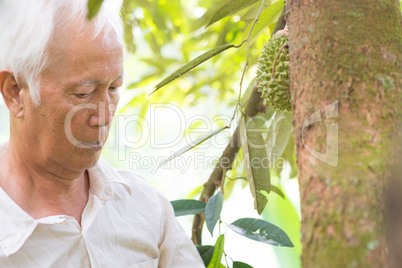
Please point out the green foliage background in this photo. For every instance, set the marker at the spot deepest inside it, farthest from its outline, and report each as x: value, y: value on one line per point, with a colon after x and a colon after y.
x: 161, y: 36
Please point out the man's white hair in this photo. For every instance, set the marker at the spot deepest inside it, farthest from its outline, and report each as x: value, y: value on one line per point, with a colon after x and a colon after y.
x: 27, y: 28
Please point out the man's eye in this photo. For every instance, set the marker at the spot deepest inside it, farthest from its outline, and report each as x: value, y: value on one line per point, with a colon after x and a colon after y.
x: 81, y: 96
x: 113, y: 88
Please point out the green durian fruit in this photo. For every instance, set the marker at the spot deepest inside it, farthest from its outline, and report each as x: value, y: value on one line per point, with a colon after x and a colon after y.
x: 275, y: 91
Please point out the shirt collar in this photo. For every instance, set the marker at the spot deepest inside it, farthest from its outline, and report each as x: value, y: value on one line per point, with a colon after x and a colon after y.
x: 105, y: 182
x: 17, y: 226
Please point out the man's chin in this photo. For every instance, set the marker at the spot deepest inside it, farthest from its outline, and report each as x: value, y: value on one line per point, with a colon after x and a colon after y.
x: 88, y: 158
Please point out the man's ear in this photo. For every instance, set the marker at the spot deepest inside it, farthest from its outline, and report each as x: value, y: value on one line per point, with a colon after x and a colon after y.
x: 10, y: 90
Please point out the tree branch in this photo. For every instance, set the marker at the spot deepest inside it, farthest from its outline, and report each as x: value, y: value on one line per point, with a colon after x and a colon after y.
x: 254, y: 105
x: 224, y: 163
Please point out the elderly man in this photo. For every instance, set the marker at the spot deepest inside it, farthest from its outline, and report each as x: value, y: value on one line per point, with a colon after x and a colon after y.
x: 59, y: 207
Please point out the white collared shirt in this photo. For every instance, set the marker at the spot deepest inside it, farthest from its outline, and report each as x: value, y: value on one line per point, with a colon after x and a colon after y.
x: 126, y: 223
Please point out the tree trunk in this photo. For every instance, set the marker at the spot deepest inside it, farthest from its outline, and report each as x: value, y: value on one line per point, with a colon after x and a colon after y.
x: 345, y: 55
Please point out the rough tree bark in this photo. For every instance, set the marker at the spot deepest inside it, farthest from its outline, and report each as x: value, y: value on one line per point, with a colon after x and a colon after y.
x: 350, y: 52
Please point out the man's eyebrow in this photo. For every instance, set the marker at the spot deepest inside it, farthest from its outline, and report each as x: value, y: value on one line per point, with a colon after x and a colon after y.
x: 90, y: 82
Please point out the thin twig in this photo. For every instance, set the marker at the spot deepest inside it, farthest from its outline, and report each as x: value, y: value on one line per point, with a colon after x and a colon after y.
x: 239, y: 45
x: 276, y: 57
x: 247, y: 59
x: 225, y: 224
x: 230, y: 258
x: 237, y: 178
x: 223, y: 180
x: 226, y: 258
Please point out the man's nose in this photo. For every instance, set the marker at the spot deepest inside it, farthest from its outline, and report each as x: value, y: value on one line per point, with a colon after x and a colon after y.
x: 104, y: 114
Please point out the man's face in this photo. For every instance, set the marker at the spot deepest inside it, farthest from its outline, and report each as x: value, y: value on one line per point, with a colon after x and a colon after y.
x: 79, y: 94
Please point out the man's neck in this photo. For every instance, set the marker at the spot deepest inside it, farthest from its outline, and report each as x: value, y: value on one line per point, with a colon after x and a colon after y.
x: 39, y: 192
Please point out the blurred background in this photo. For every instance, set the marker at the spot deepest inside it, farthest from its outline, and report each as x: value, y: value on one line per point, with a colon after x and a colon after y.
x: 160, y: 37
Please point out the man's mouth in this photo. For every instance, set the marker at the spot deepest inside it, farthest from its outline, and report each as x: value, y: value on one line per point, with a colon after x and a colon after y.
x: 96, y: 146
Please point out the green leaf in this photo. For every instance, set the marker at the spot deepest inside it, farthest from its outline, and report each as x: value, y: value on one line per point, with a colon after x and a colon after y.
x: 196, y: 191
x: 206, y: 253
x: 191, y: 65
x: 256, y: 161
x: 261, y: 231
x: 193, y: 144
x: 289, y: 155
x: 282, y: 213
x: 239, y: 264
x: 278, y: 135
x: 277, y: 191
x: 218, y: 252
x: 187, y: 207
x: 267, y: 17
x: 269, y: 112
x: 229, y: 8
x: 213, y: 211
x: 247, y: 93
x: 93, y: 8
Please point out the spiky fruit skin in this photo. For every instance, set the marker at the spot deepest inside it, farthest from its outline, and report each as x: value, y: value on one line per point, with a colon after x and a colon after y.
x: 276, y: 90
